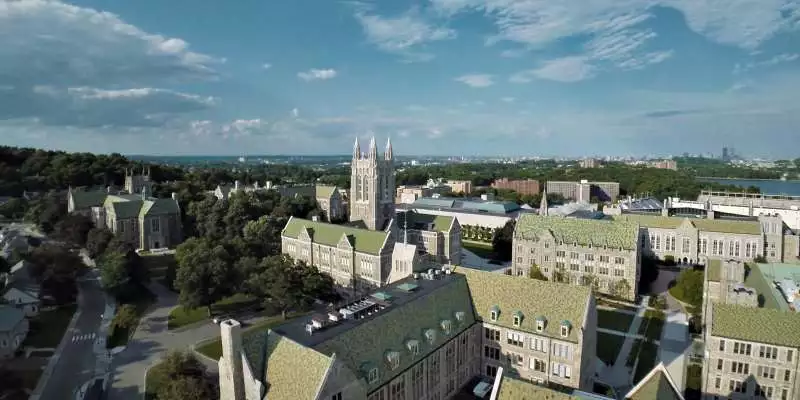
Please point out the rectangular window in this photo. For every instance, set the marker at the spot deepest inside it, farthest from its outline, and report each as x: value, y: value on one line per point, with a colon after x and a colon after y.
x: 538, y: 365
x: 516, y: 339
x: 154, y: 225
x: 789, y: 355
x: 658, y: 242
x: 561, y: 253
x: 720, y: 364
x: 740, y: 368
x: 721, y: 345
x: 539, y: 344
x: 768, y: 352
x: 573, y: 255
x: 589, y: 257
x: 337, y: 396
x: 687, y: 246
x: 491, y: 352
x: 737, y: 249
x: 573, y: 267
x: 516, y: 359
x: 491, y: 371
x: 787, y: 375
x: 492, y: 334
x: 717, y: 383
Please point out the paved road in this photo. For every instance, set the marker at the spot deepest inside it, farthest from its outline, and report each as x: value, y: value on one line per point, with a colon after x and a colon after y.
x: 77, y: 362
x: 150, y: 343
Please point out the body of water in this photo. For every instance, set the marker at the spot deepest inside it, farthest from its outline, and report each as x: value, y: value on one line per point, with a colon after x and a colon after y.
x: 767, y: 186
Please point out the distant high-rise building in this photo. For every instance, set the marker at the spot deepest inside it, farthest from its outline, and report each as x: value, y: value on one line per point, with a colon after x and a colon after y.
x: 726, y: 154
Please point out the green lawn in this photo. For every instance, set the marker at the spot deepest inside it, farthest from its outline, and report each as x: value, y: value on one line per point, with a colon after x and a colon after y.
x: 181, y: 316
x: 48, y: 327
x: 652, y: 324
x: 213, y: 349
x: 648, y: 355
x: 608, y: 346
x: 613, y: 320
x: 483, y: 250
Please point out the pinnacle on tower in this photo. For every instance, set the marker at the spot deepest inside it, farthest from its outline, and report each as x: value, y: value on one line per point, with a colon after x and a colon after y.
x: 543, y: 204
x: 356, y: 150
x: 388, y: 154
x: 373, y: 149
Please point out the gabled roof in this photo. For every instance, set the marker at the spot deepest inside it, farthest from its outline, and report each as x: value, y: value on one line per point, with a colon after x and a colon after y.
x: 19, y: 297
x: 10, y: 317
x: 555, y: 302
x: 165, y: 206
x: 364, y: 240
x: 702, y: 224
x: 611, y: 233
x: 436, y: 223
x: 713, y: 268
x: 85, y: 199
x: 324, y: 191
x: 762, y: 325
x: 291, y: 370
x: 657, y: 384
x: 124, y: 207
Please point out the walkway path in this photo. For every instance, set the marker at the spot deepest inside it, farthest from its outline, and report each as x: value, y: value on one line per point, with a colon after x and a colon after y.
x: 675, y: 344
x: 619, y: 376
x: 634, y: 335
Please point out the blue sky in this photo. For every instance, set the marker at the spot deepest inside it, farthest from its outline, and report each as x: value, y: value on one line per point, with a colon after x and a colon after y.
x: 461, y: 77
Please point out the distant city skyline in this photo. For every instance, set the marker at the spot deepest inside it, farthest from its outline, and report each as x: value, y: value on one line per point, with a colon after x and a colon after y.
x: 473, y: 77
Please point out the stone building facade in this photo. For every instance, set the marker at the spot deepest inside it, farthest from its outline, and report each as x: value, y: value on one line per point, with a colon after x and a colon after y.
x: 329, y: 198
x: 601, y: 253
x: 372, y: 186
x: 584, y: 191
x: 522, y: 186
x: 421, y: 339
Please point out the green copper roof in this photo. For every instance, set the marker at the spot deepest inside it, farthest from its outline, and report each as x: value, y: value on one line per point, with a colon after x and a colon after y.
x: 286, y: 360
x: 441, y: 223
x: 364, y: 240
x: 768, y: 294
x: 391, y: 330
x: 554, y: 301
x: 159, y: 207
x: 123, y: 207
x: 514, y: 389
x: 658, y: 387
x: 324, y: 191
x: 83, y: 199
x: 753, y: 324
x: 611, y: 233
x: 713, y: 269
x: 702, y: 224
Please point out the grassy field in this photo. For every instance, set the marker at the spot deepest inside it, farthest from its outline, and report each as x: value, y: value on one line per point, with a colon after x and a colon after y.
x: 483, y: 250
x: 652, y: 324
x: 608, y: 347
x: 648, y: 354
x: 614, y: 320
x: 213, y: 349
x: 48, y: 327
x: 180, y: 316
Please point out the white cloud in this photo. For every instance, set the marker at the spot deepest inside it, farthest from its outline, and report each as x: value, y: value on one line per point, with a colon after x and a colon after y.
x: 266, y: 66
x: 317, y: 74
x: 476, y: 80
x: 403, y: 34
x: 295, y: 112
x: 508, y: 99
x: 565, y: 69
x: 778, y: 59
x: 79, y: 46
x: 242, y: 127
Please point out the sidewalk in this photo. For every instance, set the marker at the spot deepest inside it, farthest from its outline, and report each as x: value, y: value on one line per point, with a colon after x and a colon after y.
x: 620, y: 375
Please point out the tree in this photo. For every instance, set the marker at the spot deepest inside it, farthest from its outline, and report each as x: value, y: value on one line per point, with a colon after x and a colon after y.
x: 113, y: 270
x: 204, y: 273
x: 560, y: 275
x: 14, y: 208
x: 286, y: 285
x: 97, y: 241
x: 620, y: 288
x: 187, y: 387
x: 181, y: 376
x: 536, y: 273
x: 502, y: 242
x: 56, y: 268
x: 689, y: 287
x: 760, y: 259
x: 73, y: 229
x: 126, y: 317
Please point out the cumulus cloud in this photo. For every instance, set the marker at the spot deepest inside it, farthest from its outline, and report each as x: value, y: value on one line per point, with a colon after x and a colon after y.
x: 317, y: 74
x: 86, y: 107
x: 58, y: 62
x: 296, y: 112
x: 775, y: 60
x: 403, y: 34
x: 476, y: 80
x: 566, y: 69
x: 266, y: 66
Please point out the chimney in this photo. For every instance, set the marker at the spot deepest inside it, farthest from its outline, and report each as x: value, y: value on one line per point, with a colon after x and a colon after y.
x: 108, y: 189
x: 315, y: 218
x: 236, y: 185
x: 231, y: 383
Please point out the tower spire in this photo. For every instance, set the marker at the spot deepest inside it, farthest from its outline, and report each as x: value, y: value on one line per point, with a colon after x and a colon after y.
x: 543, y: 204
x: 388, y: 154
x: 356, y: 149
x: 373, y: 149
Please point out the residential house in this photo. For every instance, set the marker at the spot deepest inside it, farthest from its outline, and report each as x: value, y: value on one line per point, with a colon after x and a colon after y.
x: 26, y: 302
x: 13, y: 329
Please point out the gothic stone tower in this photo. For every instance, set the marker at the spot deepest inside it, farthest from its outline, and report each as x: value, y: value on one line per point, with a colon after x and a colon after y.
x: 372, y: 186
x: 136, y: 184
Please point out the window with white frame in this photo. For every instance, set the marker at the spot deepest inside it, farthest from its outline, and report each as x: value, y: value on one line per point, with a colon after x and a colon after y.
x: 562, y: 350
x: 703, y: 246
x: 516, y: 359
x: 538, y: 365
x: 516, y: 339
x: 686, y: 248
x: 562, y: 370
x: 539, y: 344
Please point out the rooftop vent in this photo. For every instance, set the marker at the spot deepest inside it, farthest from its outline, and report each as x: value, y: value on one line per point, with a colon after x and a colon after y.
x: 416, y: 275
x: 407, y: 287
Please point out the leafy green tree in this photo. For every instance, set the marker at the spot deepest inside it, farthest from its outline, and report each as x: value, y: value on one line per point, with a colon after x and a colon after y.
x: 56, y: 268
x: 126, y: 317
x: 536, y: 273
x: 187, y: 387
x: 502, y: 242
x: 689, y: 287
x: 286, y: 286
x: 113, y: 270
x: 204, y: 273
x: 73, y: 229
x: 14, y: 208
x: 97, y: 241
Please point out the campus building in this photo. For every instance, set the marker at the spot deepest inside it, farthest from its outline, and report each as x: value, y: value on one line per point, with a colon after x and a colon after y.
x: 135, y: 217
x: 360, y: 255
x: 420, y: 338
x: 601, y: 253
x: 585, y: 190
x: 329, y: 198
x: 752, y: 346
x: 522, y: 186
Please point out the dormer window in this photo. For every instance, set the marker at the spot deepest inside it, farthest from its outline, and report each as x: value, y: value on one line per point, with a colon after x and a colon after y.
x: 372, y: 377
x: 413, y: 346
x: 430, y: 335
x: 565, y: 328
x: 541, y: 322
x: 517, y: 318
x: 370, y: 372
x: 447, y: 326
x: 494, y: 313
x: 461, y: 316
x: 393, y: 359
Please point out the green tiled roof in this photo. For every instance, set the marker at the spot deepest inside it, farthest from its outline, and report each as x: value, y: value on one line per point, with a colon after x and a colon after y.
x: 656, y: 387
x: 554, y: 301
x: 441, y: 223
x: 160, y: 207
x: 611, y: 233
x: 293, y: 371
x: 83, y: 199
x: 702, y: 224
x: 369, y: 341
x: 768, y: 296
x: 713, y: 269
x: 514, y: 389
x: 325, y: 191
x: 124, y: 208
x: 753, y: 324
x: 364, y: 240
